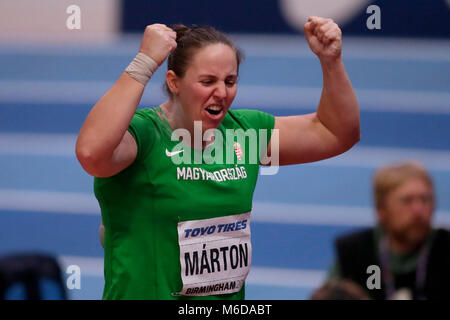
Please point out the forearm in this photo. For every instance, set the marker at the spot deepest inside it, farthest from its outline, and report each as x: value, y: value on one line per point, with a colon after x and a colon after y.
x: 338, y: 108
x: 108, y: 120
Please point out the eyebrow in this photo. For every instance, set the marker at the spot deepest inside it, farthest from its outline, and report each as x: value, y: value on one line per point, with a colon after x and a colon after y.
x: 213, y: 76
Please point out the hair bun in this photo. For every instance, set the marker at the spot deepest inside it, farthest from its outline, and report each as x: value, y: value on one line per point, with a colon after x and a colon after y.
x: 181, y: 30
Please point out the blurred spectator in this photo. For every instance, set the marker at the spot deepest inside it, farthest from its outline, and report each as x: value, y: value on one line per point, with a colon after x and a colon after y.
x: 343, y: 289
x: 31, y: 277
x: 413, y: 258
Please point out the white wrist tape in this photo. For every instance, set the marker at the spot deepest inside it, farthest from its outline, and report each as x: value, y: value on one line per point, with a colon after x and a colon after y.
x: 141, y: 68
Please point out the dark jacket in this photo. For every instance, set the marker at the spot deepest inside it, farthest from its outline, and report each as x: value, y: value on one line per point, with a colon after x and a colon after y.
x: 357, y: 251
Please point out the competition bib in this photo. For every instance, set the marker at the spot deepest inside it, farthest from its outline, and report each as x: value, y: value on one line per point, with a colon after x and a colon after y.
x: 215, y: 254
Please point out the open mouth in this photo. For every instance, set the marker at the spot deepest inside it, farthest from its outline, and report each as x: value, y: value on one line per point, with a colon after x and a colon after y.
x: 214, y: 110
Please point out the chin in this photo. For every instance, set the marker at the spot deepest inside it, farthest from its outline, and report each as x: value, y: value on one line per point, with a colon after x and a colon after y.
x: 212, y: 122
x: 417, y: 236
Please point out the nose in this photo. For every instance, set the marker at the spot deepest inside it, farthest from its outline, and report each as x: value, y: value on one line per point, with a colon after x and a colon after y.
x: 220, y: 91
x: 421, y: 208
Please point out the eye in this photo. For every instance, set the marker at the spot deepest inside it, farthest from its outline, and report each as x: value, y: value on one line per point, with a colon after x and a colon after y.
x: 207, y: 82
x: 230, y: 83
x: 406, y: 200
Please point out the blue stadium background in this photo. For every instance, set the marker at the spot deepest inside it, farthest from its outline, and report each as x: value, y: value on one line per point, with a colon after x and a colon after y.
x: 401, y: 75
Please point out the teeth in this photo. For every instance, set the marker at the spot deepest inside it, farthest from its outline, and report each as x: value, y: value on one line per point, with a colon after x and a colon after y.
x: 215, y: 108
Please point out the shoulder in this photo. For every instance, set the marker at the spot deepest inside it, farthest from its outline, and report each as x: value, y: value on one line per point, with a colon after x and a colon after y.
x: 355, y: 252
x: 144, y: 120
x: 443, y: 234
x: 148, y: 113
x: 442, y: 238
x: 355, y: 239
x: 247, y: 113
x: 249, y: 118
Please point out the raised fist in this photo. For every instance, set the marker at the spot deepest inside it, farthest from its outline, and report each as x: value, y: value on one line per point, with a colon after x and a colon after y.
x: 324, y: 37
x: 158, y: 42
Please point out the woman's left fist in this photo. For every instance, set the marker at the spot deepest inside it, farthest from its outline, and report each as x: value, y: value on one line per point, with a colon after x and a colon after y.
x: 324, y: 37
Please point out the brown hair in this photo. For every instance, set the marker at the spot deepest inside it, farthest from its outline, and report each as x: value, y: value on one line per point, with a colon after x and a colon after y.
x: 189, y: 40
x: 390, y: 177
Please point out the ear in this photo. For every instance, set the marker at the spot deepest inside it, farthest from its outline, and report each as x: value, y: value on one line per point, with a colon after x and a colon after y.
x: 172, y: 81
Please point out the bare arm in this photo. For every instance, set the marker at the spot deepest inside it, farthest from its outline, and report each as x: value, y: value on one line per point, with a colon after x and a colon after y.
x: 104, y: 146
x: 334, y: 127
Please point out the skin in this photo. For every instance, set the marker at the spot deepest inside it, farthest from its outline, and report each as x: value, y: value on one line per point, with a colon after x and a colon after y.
x: 104, y: 146
x: 210, y: 79
x: 334, y: 127
x: 406, y: 215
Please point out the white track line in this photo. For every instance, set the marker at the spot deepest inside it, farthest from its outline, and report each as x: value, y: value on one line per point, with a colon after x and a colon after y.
x: 269, y: 212
x: 257, y: 276
x: 253, y: 45
x: 249, y: 96
x: 63, y: 145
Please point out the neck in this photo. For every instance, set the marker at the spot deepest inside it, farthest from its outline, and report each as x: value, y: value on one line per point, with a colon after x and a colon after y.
x: 177, y: 120
x: 175, y: 115
x: 401, y: 246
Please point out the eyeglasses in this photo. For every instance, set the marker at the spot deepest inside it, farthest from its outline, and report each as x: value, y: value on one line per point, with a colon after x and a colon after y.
x: 426, y: 199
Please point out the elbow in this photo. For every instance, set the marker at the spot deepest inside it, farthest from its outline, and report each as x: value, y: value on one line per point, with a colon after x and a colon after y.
x: 350, y: 139
x: 87, y: 159
x: 355, y: 136
x: 93, y: 164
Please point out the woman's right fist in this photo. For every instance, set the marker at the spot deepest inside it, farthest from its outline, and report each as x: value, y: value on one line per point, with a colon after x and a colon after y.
x: 158, y: 42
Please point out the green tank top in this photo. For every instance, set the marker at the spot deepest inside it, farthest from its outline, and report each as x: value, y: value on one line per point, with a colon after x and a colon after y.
x: 181, y: 230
